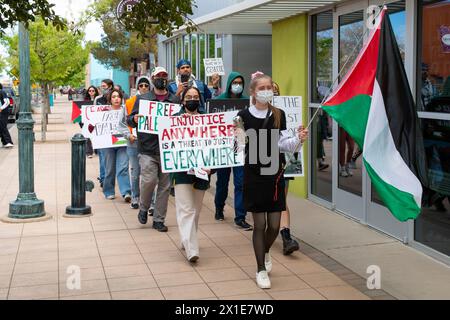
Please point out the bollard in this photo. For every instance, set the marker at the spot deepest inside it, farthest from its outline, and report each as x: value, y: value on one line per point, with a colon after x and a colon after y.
x: 79, y: 183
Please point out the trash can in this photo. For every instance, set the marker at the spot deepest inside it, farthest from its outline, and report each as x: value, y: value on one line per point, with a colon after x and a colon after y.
x: 50, y: 97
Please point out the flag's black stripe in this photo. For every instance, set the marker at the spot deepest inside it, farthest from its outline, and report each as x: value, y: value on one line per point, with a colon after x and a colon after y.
x: 398, y: 100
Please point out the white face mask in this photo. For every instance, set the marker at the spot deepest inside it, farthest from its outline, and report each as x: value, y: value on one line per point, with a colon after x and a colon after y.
x: 264, y: 96
x: 236, y: 88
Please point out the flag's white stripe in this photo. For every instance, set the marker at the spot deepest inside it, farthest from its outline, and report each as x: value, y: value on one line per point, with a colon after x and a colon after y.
x: 382, y: 155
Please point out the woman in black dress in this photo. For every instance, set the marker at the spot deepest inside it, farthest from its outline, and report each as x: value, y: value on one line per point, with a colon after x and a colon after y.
x: 264, y: 193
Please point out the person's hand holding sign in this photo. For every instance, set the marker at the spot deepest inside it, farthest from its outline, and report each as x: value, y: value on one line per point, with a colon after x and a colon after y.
x: 136, y: 117
x: 302, y: 133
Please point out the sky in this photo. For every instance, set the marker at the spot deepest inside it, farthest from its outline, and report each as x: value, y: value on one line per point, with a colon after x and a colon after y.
x: 71, y: 10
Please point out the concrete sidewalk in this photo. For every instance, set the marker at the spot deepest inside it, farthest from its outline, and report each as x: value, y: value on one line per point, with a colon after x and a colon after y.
x: 121, y: 259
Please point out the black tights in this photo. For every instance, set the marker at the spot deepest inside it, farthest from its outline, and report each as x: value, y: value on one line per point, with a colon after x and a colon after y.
x: 264, y: 236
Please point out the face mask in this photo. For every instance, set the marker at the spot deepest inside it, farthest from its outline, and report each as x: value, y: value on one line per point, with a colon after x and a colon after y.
x: 192, y: 105
x: 236, y: 88
x: 105, y: 91
x: 264, y: 96
x: 160, y: 83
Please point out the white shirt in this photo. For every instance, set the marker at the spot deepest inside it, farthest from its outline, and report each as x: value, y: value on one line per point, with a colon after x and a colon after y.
x: 287, y: 143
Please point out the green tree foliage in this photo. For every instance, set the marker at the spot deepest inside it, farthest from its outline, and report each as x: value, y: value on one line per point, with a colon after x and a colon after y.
x: 57, y: 57
x: 13, y: 11
x: 117, y: 47
x: 150, y: 17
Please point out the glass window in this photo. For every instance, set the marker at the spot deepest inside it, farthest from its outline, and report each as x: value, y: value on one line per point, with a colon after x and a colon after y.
x: 351, y: 29
x: 321, y: 80
x: 432, y: 228
x: 179, y: 48
x: 194, y: 54
x: 212, y: 46
x: 433, y: 70
x: 202, y: 55
x: 174, y: 61
x: 186, y: 47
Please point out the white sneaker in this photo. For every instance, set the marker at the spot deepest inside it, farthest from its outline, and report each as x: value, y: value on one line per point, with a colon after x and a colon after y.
x: 262, y: 280
x: 268, y: 262
x: 343, y: 172
x: 9, y: 145
x: 347, y: 169
x: 111, y: 197
x: 352, y: 165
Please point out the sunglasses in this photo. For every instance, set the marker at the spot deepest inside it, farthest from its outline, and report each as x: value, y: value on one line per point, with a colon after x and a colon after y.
x: 91, y: 90
x: 143, y: 85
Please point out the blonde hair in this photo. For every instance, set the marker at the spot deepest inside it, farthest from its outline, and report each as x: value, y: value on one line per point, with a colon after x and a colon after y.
x: 256, y: 77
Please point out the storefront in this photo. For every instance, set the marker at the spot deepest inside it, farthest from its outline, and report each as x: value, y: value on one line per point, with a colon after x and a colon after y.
x: 311, y: 43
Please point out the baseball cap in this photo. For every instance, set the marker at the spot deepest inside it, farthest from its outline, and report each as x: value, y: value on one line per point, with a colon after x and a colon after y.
x: 159, y: 70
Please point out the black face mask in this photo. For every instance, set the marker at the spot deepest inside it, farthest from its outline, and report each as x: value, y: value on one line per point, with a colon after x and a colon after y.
x: 192, y: 105
x: 160, y: 83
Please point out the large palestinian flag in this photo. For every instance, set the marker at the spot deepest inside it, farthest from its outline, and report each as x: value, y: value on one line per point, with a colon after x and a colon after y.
x: 374, y: 104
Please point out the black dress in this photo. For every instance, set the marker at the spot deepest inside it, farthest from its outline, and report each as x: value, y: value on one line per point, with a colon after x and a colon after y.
x: 263, y: 193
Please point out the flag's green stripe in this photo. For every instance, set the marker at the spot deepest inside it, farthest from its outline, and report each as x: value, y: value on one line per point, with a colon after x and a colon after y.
x: 401, y: 204
x: 352, y: 115
x: 77, y: 119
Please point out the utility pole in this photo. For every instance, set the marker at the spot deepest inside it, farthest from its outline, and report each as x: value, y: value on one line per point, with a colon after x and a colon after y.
x: 27, y: 205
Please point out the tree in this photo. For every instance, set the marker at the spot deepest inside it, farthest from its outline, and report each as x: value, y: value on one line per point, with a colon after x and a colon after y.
x: 13, y: 11
x: 57, y: 57
x: 117, y: 47
x: 159, y: 17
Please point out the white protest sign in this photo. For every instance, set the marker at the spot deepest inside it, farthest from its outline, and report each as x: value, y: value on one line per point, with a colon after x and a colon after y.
x: 151, y: 111
x: 198, y: 141
x: 100, y: 125
x: 214, y: 65
x: 292, y: 107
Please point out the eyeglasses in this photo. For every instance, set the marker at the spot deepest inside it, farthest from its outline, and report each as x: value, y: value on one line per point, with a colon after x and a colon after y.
x: 188, y: 98
x: 143, y: 85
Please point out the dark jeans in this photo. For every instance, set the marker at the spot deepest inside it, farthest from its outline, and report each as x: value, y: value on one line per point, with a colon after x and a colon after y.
x: 223, y: 178
x: 4, y: 133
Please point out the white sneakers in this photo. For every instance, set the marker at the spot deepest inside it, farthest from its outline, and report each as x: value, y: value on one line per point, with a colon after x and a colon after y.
x: 262, y: 280
x: 111, y: 197
x: 268, y: 262
x: 8, y: 145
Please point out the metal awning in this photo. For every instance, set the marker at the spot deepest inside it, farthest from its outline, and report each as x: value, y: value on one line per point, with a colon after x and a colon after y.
x: 253, y: 16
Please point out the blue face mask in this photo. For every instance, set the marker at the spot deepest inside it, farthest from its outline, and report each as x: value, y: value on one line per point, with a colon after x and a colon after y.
x: 236, y: 88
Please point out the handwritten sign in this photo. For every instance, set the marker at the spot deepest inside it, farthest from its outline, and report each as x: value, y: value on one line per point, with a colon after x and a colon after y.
x: 151, y: 112
x: 223, y: 105
x: 198, y: 141
x: 292, y: 107
x: 100, y: 125
x: 214, y: 65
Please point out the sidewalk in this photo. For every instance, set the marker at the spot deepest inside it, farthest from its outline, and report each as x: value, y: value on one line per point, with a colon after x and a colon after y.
x: 121, y: 259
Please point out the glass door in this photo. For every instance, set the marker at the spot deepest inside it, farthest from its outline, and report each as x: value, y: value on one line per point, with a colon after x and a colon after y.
x: 348, y: 171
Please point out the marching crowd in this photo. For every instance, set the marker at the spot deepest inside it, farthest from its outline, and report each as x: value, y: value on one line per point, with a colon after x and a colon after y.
x: 137, y: 168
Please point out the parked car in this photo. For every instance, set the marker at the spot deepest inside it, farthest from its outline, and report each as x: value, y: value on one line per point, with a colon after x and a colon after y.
x: 13, y: 104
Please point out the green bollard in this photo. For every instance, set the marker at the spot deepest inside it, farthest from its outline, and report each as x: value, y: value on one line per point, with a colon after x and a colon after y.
x: 79, y: 183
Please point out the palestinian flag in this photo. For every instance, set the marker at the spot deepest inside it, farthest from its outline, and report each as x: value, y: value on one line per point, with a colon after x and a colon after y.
x: 76, y: 110
x: 118, y: 140
x: 374, y: 104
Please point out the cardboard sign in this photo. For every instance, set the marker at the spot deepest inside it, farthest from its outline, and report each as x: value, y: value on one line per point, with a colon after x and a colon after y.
x: 292, y: 107
x: 223, y: 105
x: 151, y: 112
x: 198, y: 141
x: 214, y: 65
x: 100, y: 125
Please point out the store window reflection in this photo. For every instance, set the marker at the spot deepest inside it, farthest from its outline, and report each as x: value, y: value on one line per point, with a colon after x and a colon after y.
x: 321, y: 81
x: 432, y: 228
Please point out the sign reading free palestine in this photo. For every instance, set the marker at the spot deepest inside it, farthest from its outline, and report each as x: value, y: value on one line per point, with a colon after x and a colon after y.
x: 151, y: 111
x: 198, y: 141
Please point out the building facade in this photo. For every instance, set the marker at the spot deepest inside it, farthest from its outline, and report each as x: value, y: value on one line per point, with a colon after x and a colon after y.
x: 313, y: 44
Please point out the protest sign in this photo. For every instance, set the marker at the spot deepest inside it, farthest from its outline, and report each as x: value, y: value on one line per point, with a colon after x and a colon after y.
x: 292, y: 107
x: 151, y: 111
x: 198, y: 141
x: 100, y: 125
x: 214, y: 65
x: 223, y: 105
x: 76, y: 110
